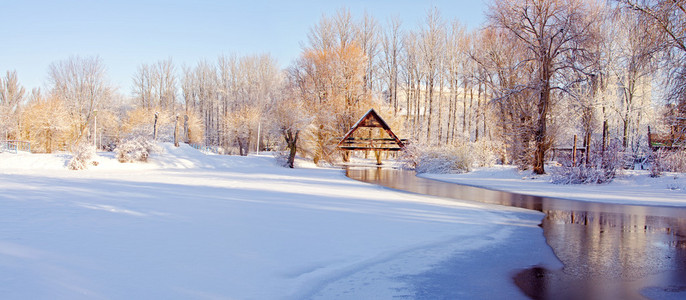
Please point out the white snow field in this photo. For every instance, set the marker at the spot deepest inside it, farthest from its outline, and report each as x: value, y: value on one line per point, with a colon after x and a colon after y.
x: 193, y: 226
x: 631, y: 187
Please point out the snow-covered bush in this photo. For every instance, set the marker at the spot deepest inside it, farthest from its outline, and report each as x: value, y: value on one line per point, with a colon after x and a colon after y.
x: 82, y: 157
x: 136, y: 149
x: 668, y: 161
x: 457, y: 158
x: 445, y: 160
x: 601, y: 168
x: 484, y: 153
x: 582, y: 174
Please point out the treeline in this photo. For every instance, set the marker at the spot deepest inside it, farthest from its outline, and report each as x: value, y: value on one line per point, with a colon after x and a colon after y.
x: 537, y: 73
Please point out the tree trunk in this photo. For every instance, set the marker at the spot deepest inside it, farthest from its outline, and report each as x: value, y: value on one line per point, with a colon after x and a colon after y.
x: 430, y: 103
x: 464, y: 108
x: 440, y: 110
x: 240, y: 147
x: 629, y: 98
x: 541, y: 128
x: 483, y: 115
x: 292, y: 142
x: 605, y: 128
x: 186, y: 130
x: 478, y: 112
x: 450, y: 113
x: 154, y: 128
x: 176, y: 131
x: 625, y: 131
x: 452, y: 134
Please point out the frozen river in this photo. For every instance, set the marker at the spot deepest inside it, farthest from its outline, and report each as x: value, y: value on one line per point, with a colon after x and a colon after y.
x: 609, y: 251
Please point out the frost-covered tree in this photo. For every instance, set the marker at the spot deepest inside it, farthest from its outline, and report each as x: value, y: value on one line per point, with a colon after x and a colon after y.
x: 155, y: 85
x: 367, y: 33
x: 456, y: 75
x: 431, y: 45
x: 668, y: 18
x: 11, y: 96
x: 557, y: 35
x: 231, y: 97
x: 391, y: 45
x: 47, y: 124
x: 634, y: 64
x: 289, y: 116
x: 201, y: 94
x: 330, y: 79
x: 80, y: 83
x: 499, y: 56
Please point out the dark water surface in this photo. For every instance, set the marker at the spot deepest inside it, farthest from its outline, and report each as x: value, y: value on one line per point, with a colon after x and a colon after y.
x: 609, y: 251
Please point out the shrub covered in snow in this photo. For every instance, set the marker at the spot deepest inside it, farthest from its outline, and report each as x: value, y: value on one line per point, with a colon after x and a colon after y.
x: 602, y: 167
x: 667, y: 161
x: 82, y: 157
x: 281, y: 158
x: 456, y: 158
x: 484, y: 153
x: 583, y: 173
x: 136, y: 149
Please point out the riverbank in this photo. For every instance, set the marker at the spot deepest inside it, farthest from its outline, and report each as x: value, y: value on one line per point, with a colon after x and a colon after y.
x: 631, y: 187
x: 190, y: 225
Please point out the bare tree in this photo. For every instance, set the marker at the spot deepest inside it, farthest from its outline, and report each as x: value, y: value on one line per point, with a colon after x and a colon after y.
x: 289, y: 116
x: 81, y: 84
x: 636, y: 45
x: 556, y: 33
x: 143, y: 86
x: 368, y: 39
x: 391, y: 43
x: 47, y: 124
x: 165, y: 74
x: 499, y: 58
x: 432, y: 43
x: 330, y: 75
x: 231, y: 97
x: 155, y: 85
x: 669, y: 17
x: 456, y: 57
x: 412, y: 78
x: 11, y: 96
x: 202, y: 85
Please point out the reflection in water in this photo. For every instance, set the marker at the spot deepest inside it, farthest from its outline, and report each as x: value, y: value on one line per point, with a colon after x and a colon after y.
x: 609, y: 251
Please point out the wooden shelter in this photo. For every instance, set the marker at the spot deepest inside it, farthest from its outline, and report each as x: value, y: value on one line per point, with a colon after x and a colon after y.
x: 377, y: 144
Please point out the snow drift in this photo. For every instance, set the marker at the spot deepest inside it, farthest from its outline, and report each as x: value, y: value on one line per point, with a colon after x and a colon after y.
x: 190, y: 225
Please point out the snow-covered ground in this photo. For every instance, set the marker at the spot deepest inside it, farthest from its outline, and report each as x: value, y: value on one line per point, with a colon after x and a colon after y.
x: 632, y: 187
x: 189, y: 225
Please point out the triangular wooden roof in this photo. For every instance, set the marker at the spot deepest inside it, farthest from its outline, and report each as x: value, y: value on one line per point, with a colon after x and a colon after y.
x: 373, y: 120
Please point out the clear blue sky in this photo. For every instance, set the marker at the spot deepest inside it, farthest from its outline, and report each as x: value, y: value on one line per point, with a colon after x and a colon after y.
x: 127, y: 33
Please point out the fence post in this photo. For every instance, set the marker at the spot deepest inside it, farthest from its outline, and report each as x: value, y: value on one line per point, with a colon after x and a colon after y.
x: 588, y: 147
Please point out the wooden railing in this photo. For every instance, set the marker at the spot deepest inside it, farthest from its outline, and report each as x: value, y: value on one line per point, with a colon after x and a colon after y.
x: 378, y: 144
